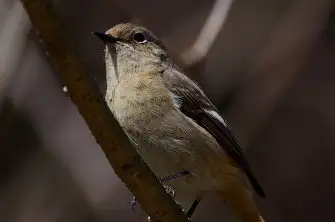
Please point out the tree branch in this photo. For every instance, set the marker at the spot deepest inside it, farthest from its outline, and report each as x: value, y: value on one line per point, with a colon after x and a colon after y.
x: 127, y: 164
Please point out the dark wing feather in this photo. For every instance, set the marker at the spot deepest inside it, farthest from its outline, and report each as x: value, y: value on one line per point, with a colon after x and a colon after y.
x: 196, y: 105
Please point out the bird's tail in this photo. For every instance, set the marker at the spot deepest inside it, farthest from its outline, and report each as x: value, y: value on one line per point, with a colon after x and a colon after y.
x: 241, y: 203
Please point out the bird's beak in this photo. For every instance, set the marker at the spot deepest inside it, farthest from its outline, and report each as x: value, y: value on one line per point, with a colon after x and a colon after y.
x: 104, y: 37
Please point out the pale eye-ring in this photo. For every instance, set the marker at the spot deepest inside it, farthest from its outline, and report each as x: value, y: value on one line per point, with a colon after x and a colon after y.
x: 139, y: 38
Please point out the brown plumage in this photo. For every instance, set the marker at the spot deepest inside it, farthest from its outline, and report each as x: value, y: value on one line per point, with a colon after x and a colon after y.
x: 172, y: 123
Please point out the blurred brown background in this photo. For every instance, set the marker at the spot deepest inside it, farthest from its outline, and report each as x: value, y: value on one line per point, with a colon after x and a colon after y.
x: 270, y: 71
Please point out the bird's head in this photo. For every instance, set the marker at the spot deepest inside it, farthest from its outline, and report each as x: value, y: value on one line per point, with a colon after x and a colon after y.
x: 131, y: 49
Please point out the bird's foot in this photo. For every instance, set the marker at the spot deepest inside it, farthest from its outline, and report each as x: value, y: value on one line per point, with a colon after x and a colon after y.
x: 133, y: 203
x: 170, y: 190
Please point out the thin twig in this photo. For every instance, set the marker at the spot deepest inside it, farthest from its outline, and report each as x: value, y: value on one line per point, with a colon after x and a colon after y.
x: 127, y: 164
x: 208, y: 34
x: 13, y: 37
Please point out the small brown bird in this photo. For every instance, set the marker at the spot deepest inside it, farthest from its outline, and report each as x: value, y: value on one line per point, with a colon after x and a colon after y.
x: 172, y: 123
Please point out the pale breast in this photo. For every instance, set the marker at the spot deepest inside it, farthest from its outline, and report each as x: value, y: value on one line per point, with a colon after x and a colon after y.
x: 140, y: 99
x: 145, y: 110
x: 168, y: 141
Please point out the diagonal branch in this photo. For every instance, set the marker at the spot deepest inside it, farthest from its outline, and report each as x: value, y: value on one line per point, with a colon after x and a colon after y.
x: 127, y: 164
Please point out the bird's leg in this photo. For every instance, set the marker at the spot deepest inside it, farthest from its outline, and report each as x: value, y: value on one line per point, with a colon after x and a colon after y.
x: 193, y: 207
x: 172, y: 192
x: 174, y: 176
x: 168, y: 189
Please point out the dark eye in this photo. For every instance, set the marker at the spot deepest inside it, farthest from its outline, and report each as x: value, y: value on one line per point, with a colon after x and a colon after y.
x: 139, y: 37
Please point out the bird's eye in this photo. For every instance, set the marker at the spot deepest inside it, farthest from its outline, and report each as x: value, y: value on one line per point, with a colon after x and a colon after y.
x: 139, y: 37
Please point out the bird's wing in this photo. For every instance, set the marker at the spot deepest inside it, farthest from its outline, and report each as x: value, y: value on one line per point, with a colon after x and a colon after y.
x: 195, y: 104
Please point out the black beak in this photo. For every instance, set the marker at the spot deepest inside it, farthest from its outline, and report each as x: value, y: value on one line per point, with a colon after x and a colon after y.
x: 104, y: 37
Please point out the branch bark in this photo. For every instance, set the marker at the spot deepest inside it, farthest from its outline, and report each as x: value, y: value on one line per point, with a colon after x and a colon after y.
x: 127, y: 164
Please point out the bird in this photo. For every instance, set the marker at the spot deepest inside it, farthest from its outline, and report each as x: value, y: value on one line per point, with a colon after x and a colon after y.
x: 173, y: 124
